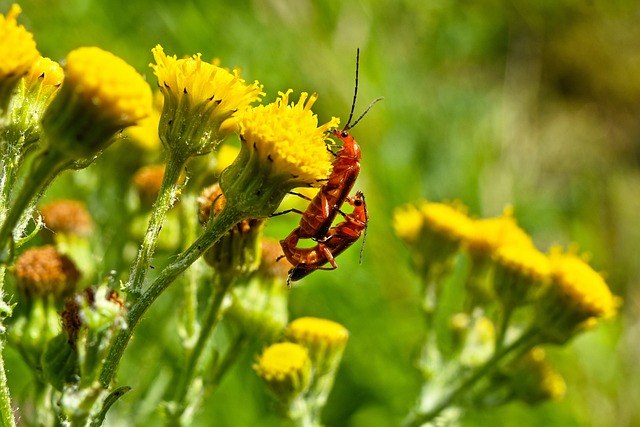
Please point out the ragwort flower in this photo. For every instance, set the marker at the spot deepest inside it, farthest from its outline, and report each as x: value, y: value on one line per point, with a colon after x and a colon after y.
x: 282, y: 148
x: 202, y: 102
x: 101, y: 94
x: 17, y: 50
x: 576, y: 297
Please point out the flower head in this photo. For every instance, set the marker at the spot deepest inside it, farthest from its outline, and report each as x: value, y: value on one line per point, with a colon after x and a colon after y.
x: 325, y: 339
x: 44, y: 271
x: 489, y: 234
x: 575, y: 298
x: 289, y: 136
x: 17, y: 50
x: 282, y: 148
x: 519, y: 270
x: 259, y: 304
x: 67, y: 216
x: 202, y: 102
x: 286, y: 369
x: 101, y: 94
x: 433, y: 231
x: 33, y: 95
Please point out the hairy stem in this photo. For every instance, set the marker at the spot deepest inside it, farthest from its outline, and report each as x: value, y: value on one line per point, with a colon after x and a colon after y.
x: 216, y: 228
x: 168, y: 191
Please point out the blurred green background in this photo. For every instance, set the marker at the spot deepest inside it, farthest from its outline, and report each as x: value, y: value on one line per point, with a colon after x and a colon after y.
x: 492, y: 102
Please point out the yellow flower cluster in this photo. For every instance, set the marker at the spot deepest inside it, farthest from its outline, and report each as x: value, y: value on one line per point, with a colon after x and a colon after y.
x: 564, y: 288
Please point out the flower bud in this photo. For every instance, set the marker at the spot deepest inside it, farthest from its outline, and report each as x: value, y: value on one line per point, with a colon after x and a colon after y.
x: 259, y: 304
x: 237, y: 253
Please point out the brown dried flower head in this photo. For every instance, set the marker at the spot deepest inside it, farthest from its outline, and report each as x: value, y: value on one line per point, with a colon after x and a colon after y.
x: 67, y: 216
x: 44, y: 271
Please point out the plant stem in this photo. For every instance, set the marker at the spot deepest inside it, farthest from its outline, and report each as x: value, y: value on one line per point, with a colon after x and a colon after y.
x: 209, y: 323
x: 168, y: 191
x: 6, y: 413
x: 216, y: 228
x: 44, y: 169
x: 417, y: 418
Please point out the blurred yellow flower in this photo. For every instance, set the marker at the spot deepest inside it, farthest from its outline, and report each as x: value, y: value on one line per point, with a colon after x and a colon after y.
x: 100, y: 94
x: 17, y: 50
x: 285, y: 368
x: 489, y: 234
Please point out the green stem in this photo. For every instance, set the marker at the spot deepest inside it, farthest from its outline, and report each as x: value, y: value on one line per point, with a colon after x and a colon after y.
x: 6, y: 412
x: 168, y: 190
x: 44, y: 169
x: 505, y: 318
x: 209, y: 323
x: 216, y: 228
x: 417, y: 418
x: 189, y: 319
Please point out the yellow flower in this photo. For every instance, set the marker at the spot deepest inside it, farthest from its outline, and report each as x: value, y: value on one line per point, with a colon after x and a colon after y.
x: 315, y: 332
x: 288, y: 136
x: 325, y: 340
x: 519, y: 271
x: 408, y: 222
x: 101, y: 94
x: 282, y: 148
x: 576, y: 297
x: 144, y: 134
x: 487, y: 235
x: 202, y: 102
x: 33, y: 95
x: 17, y: 50
x: 286, y: 369
x: 433, y: 231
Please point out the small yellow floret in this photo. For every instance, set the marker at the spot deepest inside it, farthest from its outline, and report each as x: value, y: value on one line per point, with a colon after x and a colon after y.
x: 17, y: 46
x: 288, y: 135
x: 108, y: 85
x: 318, y: 332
